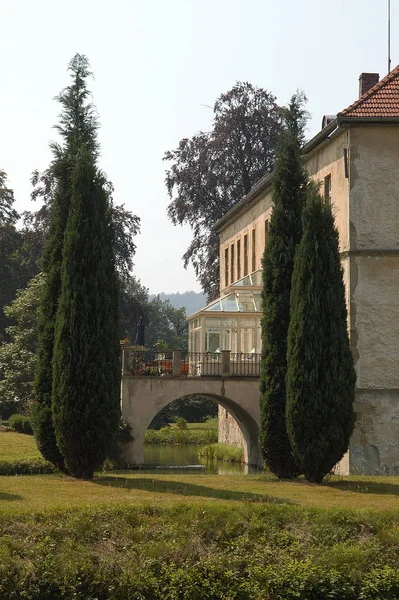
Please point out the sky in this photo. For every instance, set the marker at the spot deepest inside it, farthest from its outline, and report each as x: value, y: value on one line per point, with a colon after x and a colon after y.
x: 159, y: 66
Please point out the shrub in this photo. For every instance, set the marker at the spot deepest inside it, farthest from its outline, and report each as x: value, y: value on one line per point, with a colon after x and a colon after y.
x: 226, y: 452
x: 167, y: 435
x: 33, y: 466
x: 20, y: 423
x: 181, y: 423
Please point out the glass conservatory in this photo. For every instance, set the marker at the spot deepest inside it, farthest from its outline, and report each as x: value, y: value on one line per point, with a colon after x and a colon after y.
x: 232, y: 322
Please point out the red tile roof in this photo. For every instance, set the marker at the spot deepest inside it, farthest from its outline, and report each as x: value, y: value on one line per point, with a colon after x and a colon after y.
x: 382, y: 100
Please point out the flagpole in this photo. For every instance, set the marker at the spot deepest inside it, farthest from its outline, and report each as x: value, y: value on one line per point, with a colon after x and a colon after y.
x: 389, y: 36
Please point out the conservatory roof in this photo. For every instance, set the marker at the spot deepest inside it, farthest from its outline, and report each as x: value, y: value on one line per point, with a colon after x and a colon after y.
x: 252, y: 279
x: 236, y: 302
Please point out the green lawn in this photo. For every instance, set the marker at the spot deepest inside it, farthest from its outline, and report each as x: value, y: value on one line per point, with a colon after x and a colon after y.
x: 30, y: 492
x: 36, y: 492
x: 195, y: 537
x: 17, y: 446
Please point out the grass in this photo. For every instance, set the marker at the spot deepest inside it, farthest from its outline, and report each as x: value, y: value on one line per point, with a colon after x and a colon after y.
x: 17, y: 446
x: 219, y: 451
x: 198, y: 538
x: 195, y: 536
x: 38, y: 492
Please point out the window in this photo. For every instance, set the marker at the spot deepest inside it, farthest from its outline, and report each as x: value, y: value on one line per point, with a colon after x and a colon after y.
x: 253, y: 250
x: 238, y: 259
x: 245, y: 255
x: 266, y: 231
x: 232, y: 263
x: 327, y: 190
x: 226, y: 267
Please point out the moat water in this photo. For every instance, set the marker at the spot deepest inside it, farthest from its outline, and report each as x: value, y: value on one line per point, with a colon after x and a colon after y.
x: 184, y: 459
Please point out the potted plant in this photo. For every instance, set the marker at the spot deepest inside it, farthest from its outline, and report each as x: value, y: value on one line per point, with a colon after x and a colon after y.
x: 125, y: 342
x: 136, y: 359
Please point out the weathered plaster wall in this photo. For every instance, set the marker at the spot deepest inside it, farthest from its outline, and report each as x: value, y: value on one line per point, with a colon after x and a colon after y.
x: 374, y: 444
x: 374, y: 194
x: 374, y: 312
x: 375, y: 315
x: 329, y: 160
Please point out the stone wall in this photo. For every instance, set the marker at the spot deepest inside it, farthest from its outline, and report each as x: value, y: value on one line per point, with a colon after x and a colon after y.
x: 228, y: 429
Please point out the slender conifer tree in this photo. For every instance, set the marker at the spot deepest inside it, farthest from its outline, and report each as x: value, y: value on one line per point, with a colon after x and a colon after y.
x: 320, y: 377
x: 77, y: 126
x: 86, y: 362
x: 289, y: 192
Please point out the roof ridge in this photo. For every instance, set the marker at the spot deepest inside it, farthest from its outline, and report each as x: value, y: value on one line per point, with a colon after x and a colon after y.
x: 372, y: 91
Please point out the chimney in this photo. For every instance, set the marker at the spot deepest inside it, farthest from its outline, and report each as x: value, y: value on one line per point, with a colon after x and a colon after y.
x: 367, y: 81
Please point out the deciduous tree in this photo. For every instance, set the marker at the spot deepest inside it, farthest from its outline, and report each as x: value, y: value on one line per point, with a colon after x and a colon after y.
x: 18, y: 356
x: 320, y: 376
x: 211, y: 171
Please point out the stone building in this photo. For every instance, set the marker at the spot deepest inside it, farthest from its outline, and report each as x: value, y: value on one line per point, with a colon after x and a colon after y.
x: 355, y: 158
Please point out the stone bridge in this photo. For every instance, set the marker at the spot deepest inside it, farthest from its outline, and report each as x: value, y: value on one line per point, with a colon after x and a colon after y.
x: 143, y: 397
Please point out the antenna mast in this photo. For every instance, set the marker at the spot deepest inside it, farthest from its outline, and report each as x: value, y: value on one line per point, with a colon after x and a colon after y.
x: 389, y: 36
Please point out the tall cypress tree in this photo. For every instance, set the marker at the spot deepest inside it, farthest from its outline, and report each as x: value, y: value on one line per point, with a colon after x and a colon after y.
x: 86, y: 367
x: 289, y: 192
x: 320, y: 377
x: 77, y: 126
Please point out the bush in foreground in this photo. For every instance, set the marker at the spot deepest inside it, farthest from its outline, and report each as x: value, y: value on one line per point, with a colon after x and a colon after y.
x: 32, y: 466
x: 242, y: 551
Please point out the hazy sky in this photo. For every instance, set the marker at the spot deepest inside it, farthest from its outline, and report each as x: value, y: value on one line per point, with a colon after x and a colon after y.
x: 159, y: 65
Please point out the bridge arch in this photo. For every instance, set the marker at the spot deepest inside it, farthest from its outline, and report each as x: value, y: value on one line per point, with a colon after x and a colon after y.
x: 143, y: 397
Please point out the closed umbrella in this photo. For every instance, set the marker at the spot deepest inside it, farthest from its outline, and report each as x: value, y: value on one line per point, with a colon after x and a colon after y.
x: 139, y: 341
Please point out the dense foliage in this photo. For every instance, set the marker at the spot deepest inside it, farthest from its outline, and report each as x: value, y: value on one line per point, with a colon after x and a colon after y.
x: 249, y: 549
x: 13, y: 271
x: 163, y: 323
x: 18, y: 356
x: 211, y: 171
x: 20, y: 424
x: 320, y: 376
x: 86, y: 363
x: 57, y: 187
x: 77, y: 126
x: 285, y: 229
x: 195, y: 409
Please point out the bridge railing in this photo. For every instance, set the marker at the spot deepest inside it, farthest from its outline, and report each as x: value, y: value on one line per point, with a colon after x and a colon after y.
x: 244, y: 364
x: 148, y: 363
x: 193, y: 364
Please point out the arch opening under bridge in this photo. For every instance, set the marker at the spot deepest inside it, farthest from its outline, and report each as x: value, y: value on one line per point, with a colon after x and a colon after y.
x: 143, y: 397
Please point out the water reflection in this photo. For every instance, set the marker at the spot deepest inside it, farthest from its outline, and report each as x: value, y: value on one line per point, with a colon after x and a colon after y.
x: 184, y: 459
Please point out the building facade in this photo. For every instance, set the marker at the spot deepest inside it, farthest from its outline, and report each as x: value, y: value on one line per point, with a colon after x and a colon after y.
x: 354, y: 158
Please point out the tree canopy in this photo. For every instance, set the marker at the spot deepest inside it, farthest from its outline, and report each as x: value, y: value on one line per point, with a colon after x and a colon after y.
x: 211, y: 171
x: 18, y: 356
